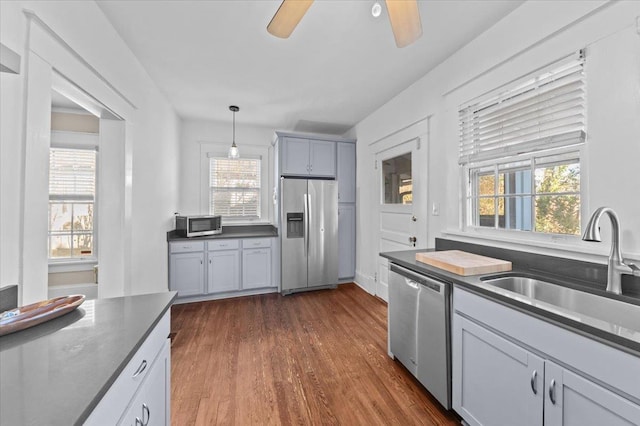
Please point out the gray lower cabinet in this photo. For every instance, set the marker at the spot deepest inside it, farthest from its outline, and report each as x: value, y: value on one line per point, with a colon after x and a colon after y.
x: 150, y: 405
x: 346, y: 241
x: 499, y: 381
x: 187, y: 273
x: 256, y: 268
x: 141, y: 394
x: 223, y: 271
x: 572, y: 400
x: 220, y: 266
x: 502, y: 384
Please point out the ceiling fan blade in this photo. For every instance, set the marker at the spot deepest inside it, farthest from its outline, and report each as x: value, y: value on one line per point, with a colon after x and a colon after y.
x: 287, y: 17
x: 405, y: 21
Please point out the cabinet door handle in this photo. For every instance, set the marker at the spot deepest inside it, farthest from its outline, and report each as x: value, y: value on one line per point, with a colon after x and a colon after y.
x: 534, y: 382
x: 145, y: 407
x: 139, y: 422
x: 143, y: 366
x: 552, y: 391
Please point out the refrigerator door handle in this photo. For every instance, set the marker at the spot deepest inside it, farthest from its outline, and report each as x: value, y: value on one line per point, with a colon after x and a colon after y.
x: 306, y: 225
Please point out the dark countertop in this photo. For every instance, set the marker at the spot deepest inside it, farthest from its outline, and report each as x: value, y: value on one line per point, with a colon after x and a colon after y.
x: 233, y: 231
x: 55, y: 373
x: 586, y: 326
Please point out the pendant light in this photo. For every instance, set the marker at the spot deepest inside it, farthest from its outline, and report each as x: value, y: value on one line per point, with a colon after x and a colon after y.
x: 233, y: 149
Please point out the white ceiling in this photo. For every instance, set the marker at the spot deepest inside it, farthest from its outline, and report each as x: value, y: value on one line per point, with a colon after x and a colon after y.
x: 338, y: 66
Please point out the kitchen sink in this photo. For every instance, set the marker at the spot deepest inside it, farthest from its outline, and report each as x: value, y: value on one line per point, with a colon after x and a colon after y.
x: 613, y: 311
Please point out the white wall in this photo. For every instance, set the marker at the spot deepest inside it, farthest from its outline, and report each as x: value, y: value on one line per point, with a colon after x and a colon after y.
x: 198, y: 137
x: 150, y: 162
x: 535, y: 34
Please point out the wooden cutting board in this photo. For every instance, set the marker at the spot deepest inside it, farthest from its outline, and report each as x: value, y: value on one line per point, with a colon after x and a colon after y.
x: 463, y: 263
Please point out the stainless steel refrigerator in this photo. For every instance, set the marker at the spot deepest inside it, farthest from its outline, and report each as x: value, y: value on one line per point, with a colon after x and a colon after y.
x: 309, y: 229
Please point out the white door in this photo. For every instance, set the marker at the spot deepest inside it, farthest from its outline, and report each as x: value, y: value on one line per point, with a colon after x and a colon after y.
x: 402, y: 214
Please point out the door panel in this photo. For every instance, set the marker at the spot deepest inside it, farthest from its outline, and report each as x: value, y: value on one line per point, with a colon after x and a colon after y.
x: 294, y: 248
x: 322, y: 158
x: 295, y: 156
x: 323, y: 233
x: 223, y: 271
x: 346, y: 240
x: 398, y: 204
x: 187, y: 273
x: 578, y: 401
x: 495, y: 382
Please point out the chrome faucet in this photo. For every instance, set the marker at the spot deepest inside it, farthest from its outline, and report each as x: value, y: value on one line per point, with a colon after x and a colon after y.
x: 615, y: 266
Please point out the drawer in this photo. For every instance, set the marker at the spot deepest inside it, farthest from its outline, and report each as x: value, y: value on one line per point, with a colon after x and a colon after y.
x: 223, y: 245
x: 256, y: 242
x: 186, y: 246
x: 119, y: 395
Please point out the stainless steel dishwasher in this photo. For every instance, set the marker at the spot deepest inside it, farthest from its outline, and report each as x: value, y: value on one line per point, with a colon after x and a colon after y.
x: 420, y: 329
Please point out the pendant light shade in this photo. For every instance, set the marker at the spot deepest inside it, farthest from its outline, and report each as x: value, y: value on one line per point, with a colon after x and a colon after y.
x: 233, y: 149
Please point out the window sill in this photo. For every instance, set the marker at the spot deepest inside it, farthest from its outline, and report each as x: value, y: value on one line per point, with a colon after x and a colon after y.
x: 567, y: 246
x: 244, y: 222
x: 59, y: 266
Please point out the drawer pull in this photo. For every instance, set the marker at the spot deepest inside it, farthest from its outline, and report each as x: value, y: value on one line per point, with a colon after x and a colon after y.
x: 145, y: 407
x: 143, y: 366
x: 534, y: 382
x: 552, y: 391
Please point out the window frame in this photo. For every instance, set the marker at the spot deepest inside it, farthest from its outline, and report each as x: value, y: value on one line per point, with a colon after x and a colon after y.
x: 470, y: 212
x: 240, y: 218
x: 208, y: 150
x: 88, y: 142
x: 472, y: 157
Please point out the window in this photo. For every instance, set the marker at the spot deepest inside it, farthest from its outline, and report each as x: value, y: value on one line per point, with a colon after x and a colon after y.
x: 398, y: 183
x: 234, y: 187
x: 520, y: 151
x: 539, y: 194
x: 72, y: 182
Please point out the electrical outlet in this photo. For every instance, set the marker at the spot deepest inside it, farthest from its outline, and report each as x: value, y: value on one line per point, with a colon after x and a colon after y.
x: 435, y: 209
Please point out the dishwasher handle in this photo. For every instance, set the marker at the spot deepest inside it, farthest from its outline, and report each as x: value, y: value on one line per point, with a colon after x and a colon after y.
x: 433, y: 285
x: 411, y: 283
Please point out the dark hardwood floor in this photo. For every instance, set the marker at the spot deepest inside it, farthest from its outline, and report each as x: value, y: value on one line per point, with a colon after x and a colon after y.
x: 308, y: 359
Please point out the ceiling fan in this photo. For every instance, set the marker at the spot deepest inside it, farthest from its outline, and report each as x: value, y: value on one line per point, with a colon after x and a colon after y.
x: 403, y: 14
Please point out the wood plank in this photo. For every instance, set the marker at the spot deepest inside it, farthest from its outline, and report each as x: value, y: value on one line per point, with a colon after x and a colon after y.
x: 463, y: 263
x: 309, y: 358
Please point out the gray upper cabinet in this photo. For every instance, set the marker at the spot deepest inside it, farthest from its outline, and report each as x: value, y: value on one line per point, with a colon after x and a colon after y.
x: 322, y: 158
x: 295, y: 156
x: 308, y: 157
x: 346, y: 172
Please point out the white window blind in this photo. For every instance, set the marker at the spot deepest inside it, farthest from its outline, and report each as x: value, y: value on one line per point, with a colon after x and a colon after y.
x: 72, y: 174
x: 234, y: 187
x: 542, y: 111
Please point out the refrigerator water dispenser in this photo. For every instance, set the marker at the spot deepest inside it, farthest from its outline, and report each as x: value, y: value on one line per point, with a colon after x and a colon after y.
x: 295, y: 225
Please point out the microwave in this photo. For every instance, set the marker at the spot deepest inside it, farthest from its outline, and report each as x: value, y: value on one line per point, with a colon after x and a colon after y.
x: 197, y: 226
